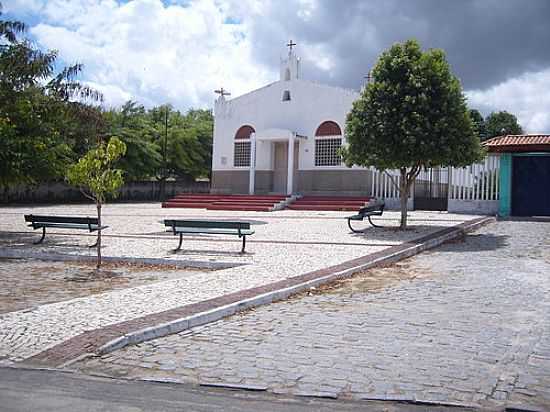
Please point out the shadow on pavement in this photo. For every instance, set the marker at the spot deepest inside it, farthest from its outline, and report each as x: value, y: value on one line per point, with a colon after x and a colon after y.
x: 476, y: 243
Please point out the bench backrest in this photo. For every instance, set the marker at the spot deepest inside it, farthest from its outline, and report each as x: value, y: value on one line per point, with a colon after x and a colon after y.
x: 207, y: 224
x: 61, y: 219
x: 378, y: 206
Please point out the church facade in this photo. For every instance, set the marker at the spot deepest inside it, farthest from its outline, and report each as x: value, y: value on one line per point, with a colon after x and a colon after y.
x: 284, y: 139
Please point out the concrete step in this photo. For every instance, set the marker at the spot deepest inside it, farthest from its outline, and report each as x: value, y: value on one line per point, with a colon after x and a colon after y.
x: 186, y: 205
x: 335, y: 198
x: 323, y: 208
x: 241, y: 208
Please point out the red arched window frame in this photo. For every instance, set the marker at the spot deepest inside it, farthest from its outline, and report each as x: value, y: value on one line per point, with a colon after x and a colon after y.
x: 328, y: 128
x: 244, y: 132
x: 241, y: 147
x: 328, y: 140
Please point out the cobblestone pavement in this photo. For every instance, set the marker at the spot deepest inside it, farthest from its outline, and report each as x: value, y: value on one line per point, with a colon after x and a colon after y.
x: 27, y: 283
x: 286, y: 244
x: 469, y: 324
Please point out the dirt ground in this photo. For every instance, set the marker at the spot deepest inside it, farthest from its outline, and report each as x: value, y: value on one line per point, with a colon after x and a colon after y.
x: 27, y: 283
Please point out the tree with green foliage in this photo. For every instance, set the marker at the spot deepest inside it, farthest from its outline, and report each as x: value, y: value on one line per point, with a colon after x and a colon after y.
x: 478, y: 123
x: 412, y: 116
x: 184, y: 141
x: 96, y: 176
x: 502, y: 123
x: 131, y: 124
x: 35, y: 102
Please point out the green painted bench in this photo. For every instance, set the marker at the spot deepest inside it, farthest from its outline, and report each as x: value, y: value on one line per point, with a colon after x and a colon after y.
x: 179, y: 227
x: 375, y: 209
x: 62, y: 222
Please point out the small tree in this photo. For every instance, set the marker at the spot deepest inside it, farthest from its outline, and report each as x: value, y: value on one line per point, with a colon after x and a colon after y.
x: 97, y: 178
x: 412, y: 116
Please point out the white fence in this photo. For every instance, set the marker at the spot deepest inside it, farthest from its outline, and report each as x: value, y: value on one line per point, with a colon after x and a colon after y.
x: 476, y: 182
x: 471, y: 189
x: 384, y: 188
x: 475, y: 188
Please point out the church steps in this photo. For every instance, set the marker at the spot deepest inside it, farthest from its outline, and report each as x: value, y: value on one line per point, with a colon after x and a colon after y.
x: 325, y: 208
x: 170, y: 204
x: 229, y: 197
x: 242, y: 207
x: 326, y: 203
x: 226, y: 202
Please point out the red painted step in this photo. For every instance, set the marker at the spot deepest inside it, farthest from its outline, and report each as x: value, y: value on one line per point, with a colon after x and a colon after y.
x: 230, y: 197
x: 184, y: 205
x: 327, y: 203
x: 226, y: 202
x: 243, y: 208
x: 335, y: 208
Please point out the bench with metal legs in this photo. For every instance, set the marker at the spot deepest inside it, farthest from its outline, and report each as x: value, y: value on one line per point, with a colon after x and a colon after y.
x: 376, y: 209
x: 62, y: 222
x: 181, y: 227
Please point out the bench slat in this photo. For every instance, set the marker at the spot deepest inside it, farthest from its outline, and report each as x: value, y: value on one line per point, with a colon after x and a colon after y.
x: 205, y: 224
x: 61, y: 219
x: 93, y: 227
x: 212, y: 231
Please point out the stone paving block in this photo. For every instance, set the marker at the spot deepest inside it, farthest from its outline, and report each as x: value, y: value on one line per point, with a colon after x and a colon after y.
x: 461, y: 335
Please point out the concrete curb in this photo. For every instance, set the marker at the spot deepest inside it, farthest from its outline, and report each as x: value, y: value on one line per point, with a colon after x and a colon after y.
x: 179, y: 325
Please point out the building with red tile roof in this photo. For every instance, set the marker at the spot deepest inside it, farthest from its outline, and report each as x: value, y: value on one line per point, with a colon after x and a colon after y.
x: 518, y: 143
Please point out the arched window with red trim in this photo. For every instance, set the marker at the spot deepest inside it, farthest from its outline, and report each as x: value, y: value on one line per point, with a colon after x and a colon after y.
x: 328, y: 140
x: 241, y: 152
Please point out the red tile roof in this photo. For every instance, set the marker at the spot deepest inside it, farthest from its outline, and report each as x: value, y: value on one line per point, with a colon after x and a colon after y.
x: 518, y: 143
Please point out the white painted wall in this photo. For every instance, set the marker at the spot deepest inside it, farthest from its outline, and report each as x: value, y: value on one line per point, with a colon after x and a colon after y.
x: 310, y: 105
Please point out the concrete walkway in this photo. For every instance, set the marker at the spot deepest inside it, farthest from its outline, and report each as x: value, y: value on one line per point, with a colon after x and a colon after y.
x: 468, y: 323
x: 286, y: 244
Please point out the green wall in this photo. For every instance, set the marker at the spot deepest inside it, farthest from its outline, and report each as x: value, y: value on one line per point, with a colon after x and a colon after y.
x: 505, y: 183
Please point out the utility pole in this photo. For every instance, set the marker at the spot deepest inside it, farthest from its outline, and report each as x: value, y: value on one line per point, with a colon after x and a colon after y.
x: 164, y: 156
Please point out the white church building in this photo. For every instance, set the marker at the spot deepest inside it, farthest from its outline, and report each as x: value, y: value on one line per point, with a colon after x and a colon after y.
x: 284, y: 139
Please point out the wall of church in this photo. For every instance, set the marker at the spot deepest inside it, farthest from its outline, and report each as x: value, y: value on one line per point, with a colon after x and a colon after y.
x: 310, y: 104
x: 236, y: 181
x: 350, y: 182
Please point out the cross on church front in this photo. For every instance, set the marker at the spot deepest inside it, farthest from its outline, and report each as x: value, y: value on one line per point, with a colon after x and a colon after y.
x: 369, y: 77
x: 290, y: 44
x: 222, y: 92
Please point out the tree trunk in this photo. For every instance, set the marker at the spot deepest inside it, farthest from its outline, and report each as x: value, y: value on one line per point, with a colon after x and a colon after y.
x: 404, y: 197
x: 98, y: 204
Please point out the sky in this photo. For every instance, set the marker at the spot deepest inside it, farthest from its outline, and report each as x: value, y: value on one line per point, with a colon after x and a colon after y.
x: 179, y: 52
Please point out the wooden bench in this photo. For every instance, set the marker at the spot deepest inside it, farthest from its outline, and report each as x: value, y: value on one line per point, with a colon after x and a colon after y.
x: 62, y: 222
x: 241, y: 229
x: 376, y: 209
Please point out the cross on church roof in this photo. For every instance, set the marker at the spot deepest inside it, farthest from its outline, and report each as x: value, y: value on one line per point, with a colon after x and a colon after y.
x: 369, y: 76
x: 290, y: 44
x: 222, y: 92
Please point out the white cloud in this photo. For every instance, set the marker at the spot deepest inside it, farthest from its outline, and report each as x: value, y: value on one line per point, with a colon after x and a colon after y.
x: 23, y: 6
x: 154, y: 53
x: 526, y: 96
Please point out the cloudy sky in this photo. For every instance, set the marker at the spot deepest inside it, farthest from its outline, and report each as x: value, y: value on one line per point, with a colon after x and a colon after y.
x: 158, y: 51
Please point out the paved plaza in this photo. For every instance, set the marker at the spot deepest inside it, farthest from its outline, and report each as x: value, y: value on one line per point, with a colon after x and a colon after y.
x: 286, y: 244
x: 467, y: 323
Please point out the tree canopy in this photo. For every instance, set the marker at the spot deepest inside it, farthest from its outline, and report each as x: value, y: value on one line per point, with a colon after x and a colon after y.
x: 502, y: 123
x: 48, y: 120
x: 412, y: 116
x: 36, y: 101
x: 162, y: 142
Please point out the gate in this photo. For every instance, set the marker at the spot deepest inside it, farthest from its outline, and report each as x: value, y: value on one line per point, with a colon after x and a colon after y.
x: 431, y: 189
x: 531, y: 186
